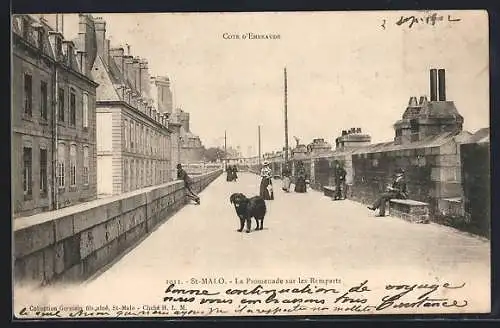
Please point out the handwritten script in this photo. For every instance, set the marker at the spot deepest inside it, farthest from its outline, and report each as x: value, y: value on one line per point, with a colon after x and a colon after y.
x: 430, y: 19
x: 278, y: 299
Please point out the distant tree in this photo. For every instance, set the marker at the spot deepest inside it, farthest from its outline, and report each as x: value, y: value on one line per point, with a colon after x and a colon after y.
x: 213, y: 154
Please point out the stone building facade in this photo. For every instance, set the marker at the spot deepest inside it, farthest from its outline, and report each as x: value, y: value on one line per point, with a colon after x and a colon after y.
x: 53, y: 116
x: 475, y: 209
x: 191, y: 147
x: 134, y: 139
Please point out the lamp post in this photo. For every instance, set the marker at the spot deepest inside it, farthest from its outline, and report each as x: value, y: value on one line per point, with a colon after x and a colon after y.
x: 259, y: 146
x: 286, y: 116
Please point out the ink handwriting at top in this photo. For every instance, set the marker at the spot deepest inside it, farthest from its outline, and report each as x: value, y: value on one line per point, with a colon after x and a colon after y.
x: 430, y: 19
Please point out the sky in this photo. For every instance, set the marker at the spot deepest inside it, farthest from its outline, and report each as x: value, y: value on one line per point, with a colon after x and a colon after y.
x: 344, y: 69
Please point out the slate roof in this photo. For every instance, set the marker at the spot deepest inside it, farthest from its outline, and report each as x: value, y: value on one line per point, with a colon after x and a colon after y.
x: 433, y: 109
x: 429, y: 142
x: 481, y: 135
x: 107, y: 90
x: 48, y: 49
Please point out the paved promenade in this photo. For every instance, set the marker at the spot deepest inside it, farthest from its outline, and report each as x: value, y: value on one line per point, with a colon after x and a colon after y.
x: 306, y: 235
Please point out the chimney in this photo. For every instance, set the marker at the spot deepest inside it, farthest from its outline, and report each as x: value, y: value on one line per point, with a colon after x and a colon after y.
x: 100, y: 30
x: 433, y: 84
x: 423, y: 100
x: 117, y: 54
x: 129, y: 69
x: 87, y: 50
x: 137, y: 75
x: 412, y: 102
x: 106, y: 56
x: 145, y: 78
x: 442, y: 85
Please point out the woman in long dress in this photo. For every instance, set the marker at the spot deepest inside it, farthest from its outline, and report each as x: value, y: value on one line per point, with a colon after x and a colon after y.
x: 266, y: 185
x: 286, y: 173
x: 235, y: 173
x: 300, y: 180
x: 229, y: 172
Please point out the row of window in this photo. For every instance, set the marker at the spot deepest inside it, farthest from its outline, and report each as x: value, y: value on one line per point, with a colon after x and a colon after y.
x: 28, y: 172
x: 143, y: 173
x: 61, y: 165
x: 61, y: 96
x: 141, y: 139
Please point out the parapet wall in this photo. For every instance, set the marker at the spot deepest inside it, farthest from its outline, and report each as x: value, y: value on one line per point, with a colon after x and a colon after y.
x: 73, y: 243
x: 455, y: 185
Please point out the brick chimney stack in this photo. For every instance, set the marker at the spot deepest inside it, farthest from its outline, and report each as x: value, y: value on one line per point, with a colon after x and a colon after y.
x: 106, y: 56
x: 433, y: 84
x: 100, y: 30
x: 441, y: 85
x: 129, y: 69
x: 117, y: 54
x: 86, y: 43
x: 136, y: 63
x: 422, y: 101
x: 145, y: 78
x: 162, y: 94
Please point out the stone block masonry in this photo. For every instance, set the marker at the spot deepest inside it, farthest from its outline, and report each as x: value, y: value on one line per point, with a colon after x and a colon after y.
x: 73, y: 243
x: 409, y: 210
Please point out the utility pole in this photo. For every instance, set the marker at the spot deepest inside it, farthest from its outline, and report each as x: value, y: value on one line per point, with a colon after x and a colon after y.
x: 225, y: 150
x: 259, y: 145
x: 286, y: 119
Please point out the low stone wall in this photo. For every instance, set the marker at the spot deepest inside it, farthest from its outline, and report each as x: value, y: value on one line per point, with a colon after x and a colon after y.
x: 73, y: 243
x: 409, y: 210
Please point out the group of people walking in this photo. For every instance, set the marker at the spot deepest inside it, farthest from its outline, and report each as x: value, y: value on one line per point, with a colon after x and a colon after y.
x: 231, y: 171
x: 397, y: 188
x: 266, y: 184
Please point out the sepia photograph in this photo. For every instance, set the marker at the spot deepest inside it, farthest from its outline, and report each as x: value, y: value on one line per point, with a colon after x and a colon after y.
x: 250, y: 164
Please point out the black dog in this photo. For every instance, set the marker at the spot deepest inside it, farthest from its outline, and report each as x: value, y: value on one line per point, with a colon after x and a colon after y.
x: 248, y: 208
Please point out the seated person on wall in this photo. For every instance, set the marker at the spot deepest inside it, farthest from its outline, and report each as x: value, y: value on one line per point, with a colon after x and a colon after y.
x: 396, y: 190
x: 340, y: 185
x: 182, y: 175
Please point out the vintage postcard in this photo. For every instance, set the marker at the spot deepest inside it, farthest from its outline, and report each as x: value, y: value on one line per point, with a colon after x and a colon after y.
x: 250, y: 164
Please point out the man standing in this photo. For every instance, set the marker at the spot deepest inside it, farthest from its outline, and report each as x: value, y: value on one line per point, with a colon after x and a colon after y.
x: 340, y: 174
x: 396, y: 190
x: 235, y: 173
x: 300, y: 180
x: 182, y: 175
